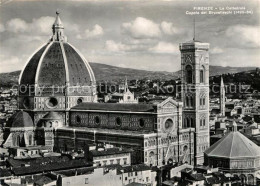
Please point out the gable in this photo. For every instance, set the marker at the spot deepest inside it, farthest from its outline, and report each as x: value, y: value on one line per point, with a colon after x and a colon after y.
x: 168, y: 106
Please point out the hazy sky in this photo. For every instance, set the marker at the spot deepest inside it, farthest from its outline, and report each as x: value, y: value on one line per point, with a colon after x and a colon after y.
x: 135, y: 34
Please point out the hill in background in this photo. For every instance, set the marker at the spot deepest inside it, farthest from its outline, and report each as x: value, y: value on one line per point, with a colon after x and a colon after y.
x: 105, y: 72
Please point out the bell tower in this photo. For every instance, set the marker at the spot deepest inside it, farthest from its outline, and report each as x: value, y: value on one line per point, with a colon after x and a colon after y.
x: 195, y: 93
x: 222, y: 97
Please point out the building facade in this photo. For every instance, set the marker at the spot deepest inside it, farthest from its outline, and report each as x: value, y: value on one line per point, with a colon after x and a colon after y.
x: 154, y: 132
x: 110, y: 175
x: 111, y: 156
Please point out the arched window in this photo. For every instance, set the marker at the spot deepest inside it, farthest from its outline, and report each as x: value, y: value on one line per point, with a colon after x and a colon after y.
x: 188, y: 74
x: 191, y: 102
x: 14, y: 141
x: 30, y: 139
x: 187, y: 102
x: 251, y: 179
x: 18, y: 141
x: 141, y: 123
x: 168, y: 124
x: 191, y: 122
x: 78, y: 119
x: 151, y: 157
x: 243, y: 179
x: 188, y: 122
x: 97, y: 119
x: 118, y: 121
x: 202, y: 71
x: 184, y: 123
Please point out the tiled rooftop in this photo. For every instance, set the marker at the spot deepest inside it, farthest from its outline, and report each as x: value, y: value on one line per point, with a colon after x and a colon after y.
x: 110, y: 151
x: 115, y: 107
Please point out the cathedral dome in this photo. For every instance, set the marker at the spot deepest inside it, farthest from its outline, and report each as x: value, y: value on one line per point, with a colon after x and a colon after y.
x: 57, y: 63
x: 19, y: 120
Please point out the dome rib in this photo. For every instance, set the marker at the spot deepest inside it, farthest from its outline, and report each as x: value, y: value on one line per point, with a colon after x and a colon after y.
x: 246, y: 145
x: 40, y: 62
x: 91, y: 73
x: 29, y: 60
x: 233, y: 145
x: 230, y: 154
x: 65, y: 63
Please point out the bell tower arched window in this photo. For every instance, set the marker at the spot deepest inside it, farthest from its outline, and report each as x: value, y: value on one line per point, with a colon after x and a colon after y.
x: 188, y: 73
x: 191, y: 101
x: 202, y: 75
x: 188, y: 123
x: 187, y: 102
x: 191, y: 122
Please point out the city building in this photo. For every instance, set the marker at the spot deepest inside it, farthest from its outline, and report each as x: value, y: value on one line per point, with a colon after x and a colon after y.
x: 109, y: 175
x: 203, y: 176
x: 111, y: 156
x: 139, y: 174
x: 121, y: 97
x: 90, y: 176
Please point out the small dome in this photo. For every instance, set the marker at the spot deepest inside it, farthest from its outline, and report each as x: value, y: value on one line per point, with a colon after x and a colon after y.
x: 51, y: 120
x: 52, y: 116
x: 57, y: 63
x: 20, y: 119
x: 234, y: 145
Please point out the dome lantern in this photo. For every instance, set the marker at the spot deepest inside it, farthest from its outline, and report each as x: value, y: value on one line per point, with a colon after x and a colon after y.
x: 58, y: 29
x: 234, y: 126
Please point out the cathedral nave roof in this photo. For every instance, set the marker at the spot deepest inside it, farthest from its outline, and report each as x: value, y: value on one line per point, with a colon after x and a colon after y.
x: 115, y: 107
